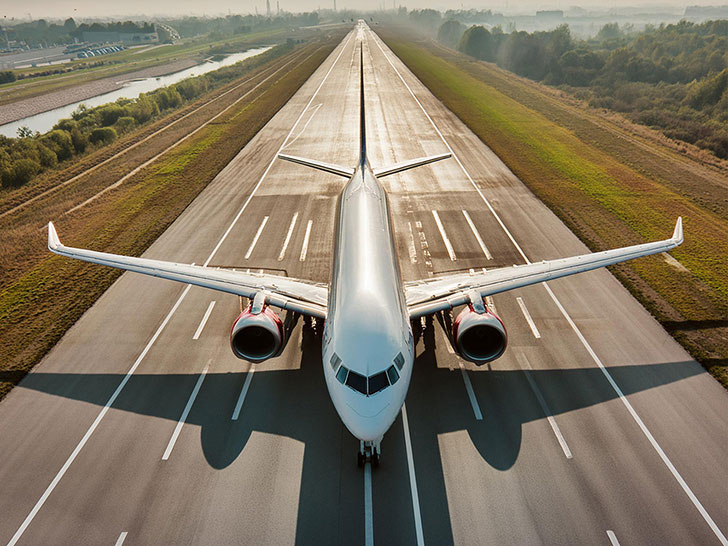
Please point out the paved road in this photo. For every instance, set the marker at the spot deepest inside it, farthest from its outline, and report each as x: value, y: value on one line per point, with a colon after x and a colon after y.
x: 594, y: 428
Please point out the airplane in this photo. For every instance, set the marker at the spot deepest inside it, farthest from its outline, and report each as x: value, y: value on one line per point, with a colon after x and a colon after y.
x: 367, y: 310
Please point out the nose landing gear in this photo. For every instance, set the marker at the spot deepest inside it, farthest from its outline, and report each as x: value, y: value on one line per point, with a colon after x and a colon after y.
x: 368, y: 452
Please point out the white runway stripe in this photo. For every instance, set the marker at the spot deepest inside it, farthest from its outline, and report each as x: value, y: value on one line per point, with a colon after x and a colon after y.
x: 204, y: 320
x: 304, y: 248
x: 477, y: 235
x: 612, y: 538
x: 288, y: 238
x: 185, y: 413
x: 413, y: 480
x: 368, y: 506
x: 471, y: 393
x: 243, y: 393
x: 255, y: 239
x: 121, y: 539
x: 529, y: 320
x: 448, y: 246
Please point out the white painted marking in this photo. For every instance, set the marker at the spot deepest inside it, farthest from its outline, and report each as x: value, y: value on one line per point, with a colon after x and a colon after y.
x: 304, y: 248
x: 314, y: 112
x: 529, y: 320
x: 368, y: 508
x: 412, y: 250
x: 471, y: 392
x: 656, y: 446
x: 448, y: 246
x: 257, y: 236
x: 121, y: 539
x: 413, y: 480
x: 612, y: 538
x: 125, y: 380
x: 185, y: 413
x: 526, y: 367
x: 204, y: 320
x: 288, y: 237
x: 477, y: 236
x: 490, y: 304
x: 243, y: 393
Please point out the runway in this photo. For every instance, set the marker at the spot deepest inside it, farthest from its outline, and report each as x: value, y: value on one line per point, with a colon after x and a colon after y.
x: 141, y: 427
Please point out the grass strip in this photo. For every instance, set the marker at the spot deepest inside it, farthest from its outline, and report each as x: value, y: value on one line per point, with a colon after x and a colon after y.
x: 606, y: 201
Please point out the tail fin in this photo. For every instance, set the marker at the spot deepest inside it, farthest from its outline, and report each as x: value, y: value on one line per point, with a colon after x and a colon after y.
x: 362, y: 118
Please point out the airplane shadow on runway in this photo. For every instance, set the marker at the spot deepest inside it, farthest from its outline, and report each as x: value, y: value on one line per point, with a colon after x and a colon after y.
x: 295, y: 403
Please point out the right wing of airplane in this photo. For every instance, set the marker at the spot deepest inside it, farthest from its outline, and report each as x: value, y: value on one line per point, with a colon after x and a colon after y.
x: 440, y: 293
x: 303, y: 297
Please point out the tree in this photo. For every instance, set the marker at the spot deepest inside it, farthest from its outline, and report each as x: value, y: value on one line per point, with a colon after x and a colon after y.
x: 477, y: 42
x: 450, y: 33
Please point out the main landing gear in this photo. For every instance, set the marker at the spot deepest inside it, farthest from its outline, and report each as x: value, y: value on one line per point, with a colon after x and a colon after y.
x: 368, y: 453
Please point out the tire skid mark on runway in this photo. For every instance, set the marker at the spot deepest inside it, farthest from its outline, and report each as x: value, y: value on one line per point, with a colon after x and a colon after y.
x: 526, y: 368
x: 635, y: 416
x: 29, y: 518
x: 204, y: 320
x: 185, y: 412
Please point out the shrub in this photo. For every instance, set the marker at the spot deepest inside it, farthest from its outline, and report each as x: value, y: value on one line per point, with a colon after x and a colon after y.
x: 60, y: 142
x: 102, y: 135
x: 7, y: 76
x: 66, y: 125
x: 48, y: 157
x: 167, y: 97
x: 24, y: 170
x: 124, y: 124
x: 79, y: 140
x: 143, y: 109
x: 109, y: 113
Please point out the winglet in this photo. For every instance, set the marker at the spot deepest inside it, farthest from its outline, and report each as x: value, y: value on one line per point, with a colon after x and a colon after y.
x: 677, y: 235
x: 53, y: 241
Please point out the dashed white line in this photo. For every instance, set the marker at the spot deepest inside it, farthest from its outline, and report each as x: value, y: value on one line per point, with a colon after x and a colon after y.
x: 257, y: 236
x: 477, y: 235
x: 288, y: 238
x: 413, y: 480
x: 448, y: 246
x: 368, y: 507
x: 471, y: 393
x: 304, y: 248
x: 612, y: 538
x: 411, y: 247
x: 121, y: 539
x: 526, y: 367
x: 243, y: 393
x: 29, y: 518
x: 656, y: 446
x: 204, y: 320
x: 528, y: 318
x: 185, y: 413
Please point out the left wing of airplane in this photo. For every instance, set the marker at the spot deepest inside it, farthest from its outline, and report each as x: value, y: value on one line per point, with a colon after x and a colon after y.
x: 440, y: 293
x: 301, y: 296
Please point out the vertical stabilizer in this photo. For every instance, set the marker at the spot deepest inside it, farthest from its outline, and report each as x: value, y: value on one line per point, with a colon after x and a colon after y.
x: 362, y: 118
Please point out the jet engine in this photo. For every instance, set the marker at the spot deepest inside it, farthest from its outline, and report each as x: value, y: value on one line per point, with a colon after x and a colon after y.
x: 479, y: 337
x: 257, y: 336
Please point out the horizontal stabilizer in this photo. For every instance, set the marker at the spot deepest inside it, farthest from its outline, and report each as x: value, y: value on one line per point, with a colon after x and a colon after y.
x: 346, y: 172
x: 411, y: 164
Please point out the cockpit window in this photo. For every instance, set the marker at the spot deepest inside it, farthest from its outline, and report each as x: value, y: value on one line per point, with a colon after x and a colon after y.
x: 377, y: 382
x: 335, y: 361
x: 341, y: 374
x: 357, y: 382
x: 393, y: 375
x: 399, y: 360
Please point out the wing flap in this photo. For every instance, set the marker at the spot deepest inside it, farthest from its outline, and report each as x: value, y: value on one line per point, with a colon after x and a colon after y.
x: 283, y: 292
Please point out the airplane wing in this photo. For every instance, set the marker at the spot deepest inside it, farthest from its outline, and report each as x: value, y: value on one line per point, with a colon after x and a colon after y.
x: 429, y: 296
x: 304, y: 297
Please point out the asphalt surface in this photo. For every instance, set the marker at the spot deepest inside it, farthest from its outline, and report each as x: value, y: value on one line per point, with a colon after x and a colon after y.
x: 543, y: 446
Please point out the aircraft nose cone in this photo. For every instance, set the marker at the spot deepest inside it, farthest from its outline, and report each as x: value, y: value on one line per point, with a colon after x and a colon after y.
x: 368, y: 428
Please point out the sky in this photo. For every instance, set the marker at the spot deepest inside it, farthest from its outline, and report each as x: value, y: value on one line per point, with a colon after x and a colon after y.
x: 102, y: 8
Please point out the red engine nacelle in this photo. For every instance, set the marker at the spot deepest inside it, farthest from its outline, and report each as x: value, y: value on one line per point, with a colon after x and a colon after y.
x: 479, y: 337
x: 257, y: 337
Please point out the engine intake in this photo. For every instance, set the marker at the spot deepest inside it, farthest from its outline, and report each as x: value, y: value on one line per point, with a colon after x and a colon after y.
x: 479, y: 337
x: 257, y: 337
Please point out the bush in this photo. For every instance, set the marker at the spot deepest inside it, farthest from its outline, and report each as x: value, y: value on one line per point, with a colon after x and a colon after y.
x: 108, y: 114
x: 7, y: 76
x: 48, y: 157
x: 79, y: 140
x: 192, y: 87
x: 143, y: 109
x: 167, y: 97
x: 102, y: 135
x: 23, y: 171
x: 66, y: 125
x: 124, y: 124
x: 60, y: 142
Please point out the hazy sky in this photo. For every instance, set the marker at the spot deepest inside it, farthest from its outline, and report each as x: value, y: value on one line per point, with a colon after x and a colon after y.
x: 104, y: 8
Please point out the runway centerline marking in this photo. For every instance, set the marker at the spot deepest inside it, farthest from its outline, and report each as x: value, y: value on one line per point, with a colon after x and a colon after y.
x: 257, y: 236
x: 526, y: 368
x: 204, y: 320
x: 19, y: 533
x: 655, y: 445
x: 368, y: 507
x: 288, y: 237
x: 121, y: 539
x: 612, y: 538
x: 304, y: 248
x: 412, y: 478
x: 185, y: 413
x: 448, y: 245
x: 528, y: 318
x: 243, y: 393
x: 411, y: 247
x: 475, y: 231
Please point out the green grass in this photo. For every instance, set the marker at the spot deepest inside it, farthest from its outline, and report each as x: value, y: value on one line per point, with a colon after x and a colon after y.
x: 605, y: 201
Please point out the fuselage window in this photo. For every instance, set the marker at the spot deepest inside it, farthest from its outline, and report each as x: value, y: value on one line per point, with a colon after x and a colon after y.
x: 341, y: 374
x: 357, y: 382
x: 377, y: 382
x: 399, y: 360
x: 335, y: 361
x: 393, y: 375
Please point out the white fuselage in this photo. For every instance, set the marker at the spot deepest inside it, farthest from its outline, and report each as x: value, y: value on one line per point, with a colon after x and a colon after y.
x: 367, y: 328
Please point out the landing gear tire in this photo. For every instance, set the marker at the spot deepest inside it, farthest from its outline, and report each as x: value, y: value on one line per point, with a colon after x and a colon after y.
x: 368, y: 453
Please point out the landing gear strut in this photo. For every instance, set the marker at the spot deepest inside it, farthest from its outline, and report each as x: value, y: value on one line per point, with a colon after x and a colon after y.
x: 368, y: 453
